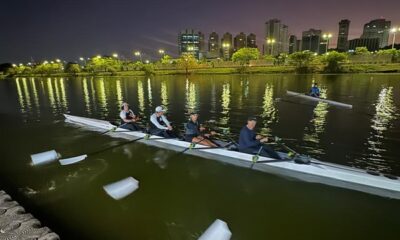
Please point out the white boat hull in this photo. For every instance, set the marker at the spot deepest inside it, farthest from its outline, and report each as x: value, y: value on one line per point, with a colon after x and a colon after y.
x: 317, y: 171
x: 302, y: 95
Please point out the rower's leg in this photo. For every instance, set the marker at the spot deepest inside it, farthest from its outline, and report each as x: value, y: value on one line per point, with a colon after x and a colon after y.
x: 269, y: 152
x: 128, y: 126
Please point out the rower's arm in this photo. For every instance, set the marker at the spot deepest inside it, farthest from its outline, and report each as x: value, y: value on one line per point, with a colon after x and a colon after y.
x: 166, y: 121
x: 153, y: 119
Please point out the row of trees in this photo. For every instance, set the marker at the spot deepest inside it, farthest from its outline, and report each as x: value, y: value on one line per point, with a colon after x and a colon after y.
x: 304, y: 62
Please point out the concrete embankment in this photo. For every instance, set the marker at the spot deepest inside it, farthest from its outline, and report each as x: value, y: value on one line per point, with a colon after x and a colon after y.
x: 16, y: 224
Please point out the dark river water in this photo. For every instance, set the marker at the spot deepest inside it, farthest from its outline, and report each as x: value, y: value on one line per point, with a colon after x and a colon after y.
x: 179, y: 195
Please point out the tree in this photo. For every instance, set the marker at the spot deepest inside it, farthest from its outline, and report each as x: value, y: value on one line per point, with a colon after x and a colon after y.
x: 362, y: 51
x: 333, y: 61
x: 72, y: 68
x: 392, y: 52
x: 302, y: 61
x: 244, y: 55
x: 166, y: 59
x: 187, y: 61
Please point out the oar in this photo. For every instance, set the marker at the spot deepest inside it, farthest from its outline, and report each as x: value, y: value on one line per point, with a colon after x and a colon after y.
x: 255, y: 158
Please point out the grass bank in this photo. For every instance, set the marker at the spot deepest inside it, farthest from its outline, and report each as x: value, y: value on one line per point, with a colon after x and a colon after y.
x: 349, y: 68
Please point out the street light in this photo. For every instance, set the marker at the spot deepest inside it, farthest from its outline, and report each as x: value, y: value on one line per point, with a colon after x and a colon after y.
x: 82, y: 59
x: 271, y: 41
x: 115, y: 55
x: 394, y: 30
x: 327, y: 37
x: 161, y: 51
x: 138, y: 54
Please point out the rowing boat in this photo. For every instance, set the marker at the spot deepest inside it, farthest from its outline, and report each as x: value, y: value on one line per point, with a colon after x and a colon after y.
x: 316, y: 171
x: 302, y: 95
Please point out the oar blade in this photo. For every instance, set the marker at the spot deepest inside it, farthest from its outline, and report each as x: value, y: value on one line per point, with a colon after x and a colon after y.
x: 217, y: 231
x: 68, y: 161
x: 122, y: 188
x: 44, y: 157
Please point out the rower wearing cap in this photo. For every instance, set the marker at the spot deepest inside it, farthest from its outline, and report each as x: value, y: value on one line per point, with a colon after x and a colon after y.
x: 250, y: 142
x: 128, y: 118
x: 195, y: 133
x: 159, y: 124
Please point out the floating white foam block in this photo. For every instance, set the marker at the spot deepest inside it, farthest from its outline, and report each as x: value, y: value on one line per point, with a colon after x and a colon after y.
x: 122, y: 188
x: 44, y: 157
x: 217, y: 231
x: 68, y: 161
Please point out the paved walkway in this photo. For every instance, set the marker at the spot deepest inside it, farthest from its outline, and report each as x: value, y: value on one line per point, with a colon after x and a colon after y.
x: 16, y: 224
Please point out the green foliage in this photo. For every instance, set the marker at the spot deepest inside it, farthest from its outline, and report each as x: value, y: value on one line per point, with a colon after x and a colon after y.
x: 302, y: 61
x: 166, y: 59
x: 281, y: 59
x: 268, y: 57
x: 148, y: 68
x: 48, y: 68
x: 362, y: 51
x: 392, y: 52
x: 333, y: 61
x: 187, y: 61
x: 72, y: 68
x: 244, y: 55
x: 104, y: 64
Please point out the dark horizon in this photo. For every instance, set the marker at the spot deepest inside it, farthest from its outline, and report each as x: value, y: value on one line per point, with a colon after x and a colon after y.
x: 47, y: 29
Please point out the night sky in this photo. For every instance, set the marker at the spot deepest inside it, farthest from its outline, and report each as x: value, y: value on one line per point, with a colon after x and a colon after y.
x: 69, y: 29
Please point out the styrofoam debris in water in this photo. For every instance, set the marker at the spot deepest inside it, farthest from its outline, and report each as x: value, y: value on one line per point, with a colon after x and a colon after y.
x: 67, y: 161
x: 122, y: 188
x: 44, y: 157
x: 217, y: 231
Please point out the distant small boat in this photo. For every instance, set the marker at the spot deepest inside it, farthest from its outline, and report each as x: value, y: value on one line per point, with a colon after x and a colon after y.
x: 302, y: 95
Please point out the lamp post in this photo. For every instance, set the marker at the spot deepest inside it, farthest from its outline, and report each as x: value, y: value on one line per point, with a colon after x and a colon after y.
x: 225, y: 47
x: 161, y: 51
x: 327, y: 37
x: 138, y: 54
x: 271, y: 42
x: 394, y: 31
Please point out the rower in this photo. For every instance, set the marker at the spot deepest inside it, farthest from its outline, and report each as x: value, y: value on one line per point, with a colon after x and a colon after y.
x: 251, y: 143
x: 159, y: 124
x: 128, y: 118
x: 195, y: 133
x: 314, y: 91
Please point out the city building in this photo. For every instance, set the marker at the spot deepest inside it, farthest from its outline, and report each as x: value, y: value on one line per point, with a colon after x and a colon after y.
x: 343, y: 36
x: 189, y: 42
x: 311, y: 41
x: 251, y: 41
x: 213, y: 46
x: 293, y: 44
x: 239, y: 41
x: 226, y: 46
x: 276, y: 38
x: 202, y: 46
x: 371, y: 43
x: 378, y: 28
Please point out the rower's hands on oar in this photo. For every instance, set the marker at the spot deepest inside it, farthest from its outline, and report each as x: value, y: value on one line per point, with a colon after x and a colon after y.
x: 169, y: 128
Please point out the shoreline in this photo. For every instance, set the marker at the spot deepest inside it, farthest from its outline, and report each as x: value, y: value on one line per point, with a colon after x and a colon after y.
x: 347, y: 69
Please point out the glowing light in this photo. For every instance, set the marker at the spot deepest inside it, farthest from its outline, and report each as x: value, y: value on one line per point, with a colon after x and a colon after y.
x: 115, y: 55
x: 161, y: 51
x: 271, y: 41
x: 81, y: 58
x: 58, y: 60
x: 137, y: 53
x: 147, y: 61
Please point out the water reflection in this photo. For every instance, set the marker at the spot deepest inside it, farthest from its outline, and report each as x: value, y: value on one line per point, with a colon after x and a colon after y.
x: 192, y: 101
x: 20, y: 96
x: 86, y: 96
x: 149, y: 93
x: 51, y: 95
x: 119, y: 92
x: 269, y: 113
x: 64, y: 100
x: 35, y: 95
x: 385, y: 114
x: 141, y: 97
x: 317, y: 126
x: 102, y: 96
x: 225, y: 103
x: 164, y: 95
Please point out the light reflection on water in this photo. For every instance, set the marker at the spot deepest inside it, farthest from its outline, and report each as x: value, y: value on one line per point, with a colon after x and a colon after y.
x: 317, y: 125
x: 385, y: 115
